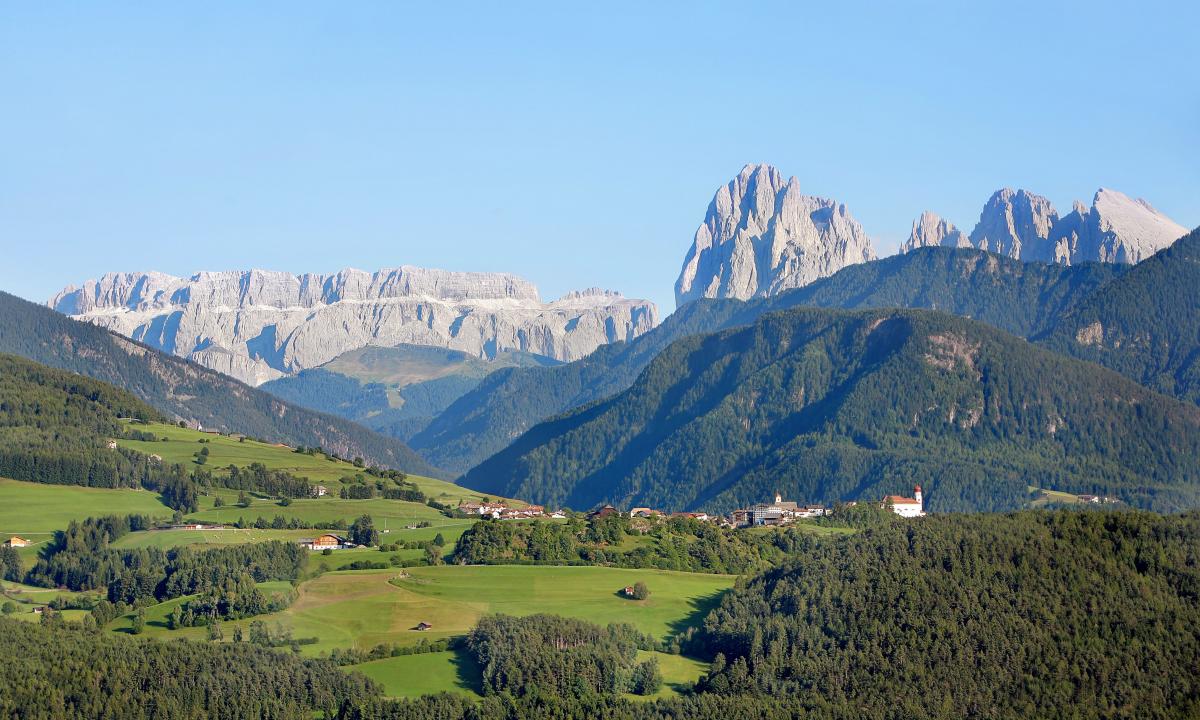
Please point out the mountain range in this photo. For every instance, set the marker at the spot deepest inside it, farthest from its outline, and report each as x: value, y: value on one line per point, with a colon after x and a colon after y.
x: 257, y: 325
x: 760, y: 377
x: 186, y: 391
x: 1020, y: 224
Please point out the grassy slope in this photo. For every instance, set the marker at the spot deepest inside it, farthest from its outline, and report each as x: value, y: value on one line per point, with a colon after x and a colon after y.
x: 34, y: 511
x: 182, y: 445
x: 409, y: 676
x: 364, y: 608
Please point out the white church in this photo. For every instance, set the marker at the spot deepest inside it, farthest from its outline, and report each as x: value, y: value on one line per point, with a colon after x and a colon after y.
x: 906, y: 507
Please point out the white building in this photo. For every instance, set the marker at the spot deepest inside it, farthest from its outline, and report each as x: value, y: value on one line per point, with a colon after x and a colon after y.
x: 906, y: 507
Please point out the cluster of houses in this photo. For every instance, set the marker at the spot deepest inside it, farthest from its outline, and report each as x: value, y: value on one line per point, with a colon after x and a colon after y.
x: 501, y: 511
x: 780, y: 512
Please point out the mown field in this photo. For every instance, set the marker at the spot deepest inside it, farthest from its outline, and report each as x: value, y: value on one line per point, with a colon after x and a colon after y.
x: 34, y: 511
x: 408, y: 676
x: 365, y: 608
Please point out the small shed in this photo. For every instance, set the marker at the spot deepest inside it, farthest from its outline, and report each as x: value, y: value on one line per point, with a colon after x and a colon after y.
x: 423, y: 626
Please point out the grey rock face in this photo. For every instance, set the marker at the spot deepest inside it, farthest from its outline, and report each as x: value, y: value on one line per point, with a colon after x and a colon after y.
x: 258, y: 325
x: 1021, y: 225
x: 761, y: 236
x: 930, y: 230
x: 1116, y: 229
x: 1017, y: 224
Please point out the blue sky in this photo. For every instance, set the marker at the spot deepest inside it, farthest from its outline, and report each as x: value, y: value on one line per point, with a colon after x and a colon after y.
x: 573, y: 146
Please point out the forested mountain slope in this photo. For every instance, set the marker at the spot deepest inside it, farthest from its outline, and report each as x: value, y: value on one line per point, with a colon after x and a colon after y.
x: 1023, y: 298
x: 1034, y: 614
x: 184, y: 390
x: 826, y: 405
x: 1145, y: 324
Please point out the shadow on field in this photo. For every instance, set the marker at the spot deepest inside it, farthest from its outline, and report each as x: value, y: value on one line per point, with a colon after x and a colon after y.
x: 466, y: 673
x: 700, y: 607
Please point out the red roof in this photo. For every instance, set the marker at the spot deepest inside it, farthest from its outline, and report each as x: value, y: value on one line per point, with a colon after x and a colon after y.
x: 899, y: 500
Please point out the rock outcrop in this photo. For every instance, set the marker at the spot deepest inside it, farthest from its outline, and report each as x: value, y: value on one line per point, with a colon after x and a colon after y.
x: 258, y: 325
x: 930, y: 230
x: 761, y: 236
x: 1021, y: 225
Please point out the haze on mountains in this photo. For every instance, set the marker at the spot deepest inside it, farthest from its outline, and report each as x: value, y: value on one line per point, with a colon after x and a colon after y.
x: 184, y: 390
x: 258, y: 326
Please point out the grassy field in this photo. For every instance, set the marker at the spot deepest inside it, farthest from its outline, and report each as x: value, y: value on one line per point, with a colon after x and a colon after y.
x: 228, y: 536
x: 34, y: 511
x: 182, y: 444
x: 409, y: 676
x: 454, y: 671
x: 365, y: 608
x: 679, y: 673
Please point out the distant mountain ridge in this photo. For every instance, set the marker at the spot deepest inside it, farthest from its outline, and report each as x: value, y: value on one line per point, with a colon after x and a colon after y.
x: 185, y: 390
x: 1022, y: 225
x: 258, y: 325
x: 827, y: 406
x: 395, y: 391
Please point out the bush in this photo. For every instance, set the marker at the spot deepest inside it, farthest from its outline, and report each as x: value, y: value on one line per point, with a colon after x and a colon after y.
x: 640, y: 591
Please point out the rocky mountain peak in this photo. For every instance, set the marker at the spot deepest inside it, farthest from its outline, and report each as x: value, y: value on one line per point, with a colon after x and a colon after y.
x: 1022, y: 225
x: 930, y: 230
x: 1016, y: 223
x: 761, y: 236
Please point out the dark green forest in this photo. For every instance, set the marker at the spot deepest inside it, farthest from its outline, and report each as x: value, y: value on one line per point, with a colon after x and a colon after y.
x: 826, y: 406
x: 181, y: 389
x: 80, y: 558
x: 1031, y: 614
x: 1022, y: 298
x: 1034, y: 614
x: 56, y: 672
x: 1144, y: 325
x: 551, y: 655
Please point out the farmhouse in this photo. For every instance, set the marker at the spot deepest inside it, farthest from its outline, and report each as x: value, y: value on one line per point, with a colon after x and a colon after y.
x: 606, y: 511
x: 111, y: 444
x: 629, y: 591
x: 17, y: 541
x: 328, y: 541
x: 318, y: 491
x: 906, y: 507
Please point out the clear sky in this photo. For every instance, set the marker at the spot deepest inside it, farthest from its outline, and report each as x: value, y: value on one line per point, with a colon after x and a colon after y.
x: 574, y: 144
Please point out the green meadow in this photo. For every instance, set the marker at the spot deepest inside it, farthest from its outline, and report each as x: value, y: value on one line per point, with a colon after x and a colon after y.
x: 34, y: 511
x: 182, y: 444
x: 409, y: 676
x: 365, y: 608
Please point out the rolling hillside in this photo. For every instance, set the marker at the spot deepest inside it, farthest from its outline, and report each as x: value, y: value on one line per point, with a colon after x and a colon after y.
x: 834, y: 405
x: 1022, y: 298
x: 1145, y: 324
x: 397, y: 390
x: 184, y: 390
